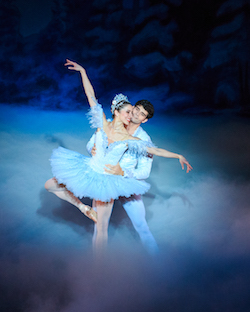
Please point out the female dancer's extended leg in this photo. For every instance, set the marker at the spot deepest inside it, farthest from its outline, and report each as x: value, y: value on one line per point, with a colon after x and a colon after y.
x: 100, y: 238
x: 61, y: 191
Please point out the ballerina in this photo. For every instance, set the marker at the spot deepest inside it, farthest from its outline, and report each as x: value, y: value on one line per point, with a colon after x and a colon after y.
x: 83, y: 176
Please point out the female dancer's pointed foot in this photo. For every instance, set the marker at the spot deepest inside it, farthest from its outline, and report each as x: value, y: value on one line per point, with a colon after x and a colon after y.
x: 89, y: 212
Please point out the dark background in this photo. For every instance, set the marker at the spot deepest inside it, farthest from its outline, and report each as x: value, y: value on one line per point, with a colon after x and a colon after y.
x: 186, y: 55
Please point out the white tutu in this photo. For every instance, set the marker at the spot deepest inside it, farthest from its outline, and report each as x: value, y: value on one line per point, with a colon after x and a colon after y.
x: 75, y: 171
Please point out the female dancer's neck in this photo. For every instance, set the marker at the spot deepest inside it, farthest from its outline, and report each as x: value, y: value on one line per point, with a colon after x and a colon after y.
x: 117, y: 125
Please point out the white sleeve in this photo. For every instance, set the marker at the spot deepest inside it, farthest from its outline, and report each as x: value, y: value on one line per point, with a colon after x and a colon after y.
x: 95, y: 116
x: 144, y: 163
x: 142, y: 170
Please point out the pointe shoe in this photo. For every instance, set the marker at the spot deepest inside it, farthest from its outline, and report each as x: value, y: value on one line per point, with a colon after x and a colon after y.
x: 89, y: 212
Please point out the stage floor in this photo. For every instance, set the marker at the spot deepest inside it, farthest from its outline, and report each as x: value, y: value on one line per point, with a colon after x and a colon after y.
x: 201, y: 221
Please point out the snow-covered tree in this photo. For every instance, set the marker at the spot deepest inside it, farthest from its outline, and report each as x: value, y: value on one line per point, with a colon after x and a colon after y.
x: 229, y: 54
x: 10, y: 48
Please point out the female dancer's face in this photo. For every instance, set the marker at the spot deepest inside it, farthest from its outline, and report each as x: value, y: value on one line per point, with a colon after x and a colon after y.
x: 125, y: 114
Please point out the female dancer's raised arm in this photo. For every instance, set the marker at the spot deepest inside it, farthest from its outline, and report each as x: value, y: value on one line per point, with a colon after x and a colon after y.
x: 88, y: 88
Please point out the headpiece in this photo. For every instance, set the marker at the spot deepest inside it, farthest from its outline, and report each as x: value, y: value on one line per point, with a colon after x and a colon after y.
x: 118, y: 100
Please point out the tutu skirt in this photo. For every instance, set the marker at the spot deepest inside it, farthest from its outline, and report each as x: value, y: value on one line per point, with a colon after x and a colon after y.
x: 76, y: 172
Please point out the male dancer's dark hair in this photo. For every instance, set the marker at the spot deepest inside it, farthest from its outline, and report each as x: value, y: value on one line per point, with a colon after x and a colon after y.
x: 148, y: 106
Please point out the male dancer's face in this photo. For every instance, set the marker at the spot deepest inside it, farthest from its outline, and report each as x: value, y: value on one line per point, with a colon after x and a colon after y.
x: 139, y: 115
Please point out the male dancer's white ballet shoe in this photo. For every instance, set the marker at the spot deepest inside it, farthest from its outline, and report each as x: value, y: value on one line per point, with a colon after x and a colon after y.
x: 89, y: 212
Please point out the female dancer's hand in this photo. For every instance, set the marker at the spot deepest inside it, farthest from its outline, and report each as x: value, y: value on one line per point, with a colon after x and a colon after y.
x: 73, y: 65
x: 90, y: 93
x: 183, y: 161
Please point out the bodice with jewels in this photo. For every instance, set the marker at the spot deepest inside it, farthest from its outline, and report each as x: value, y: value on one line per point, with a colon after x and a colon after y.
x: 111, y: 153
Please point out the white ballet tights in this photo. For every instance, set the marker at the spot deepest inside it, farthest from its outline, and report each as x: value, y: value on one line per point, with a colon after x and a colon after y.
x: 61, y: 191
x: 100, y: 237
x: 133, y: 206
x: 136, y: 212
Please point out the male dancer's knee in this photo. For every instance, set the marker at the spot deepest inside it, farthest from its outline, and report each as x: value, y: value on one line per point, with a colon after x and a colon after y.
x: 141, y: 226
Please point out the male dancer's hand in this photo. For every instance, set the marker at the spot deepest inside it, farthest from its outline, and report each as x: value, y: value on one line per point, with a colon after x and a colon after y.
x: 183, y: 161
x: 93, y: 151
x: 117, y: 170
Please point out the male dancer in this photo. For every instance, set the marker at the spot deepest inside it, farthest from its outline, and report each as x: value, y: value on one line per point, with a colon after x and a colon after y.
x: 138, y: 168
